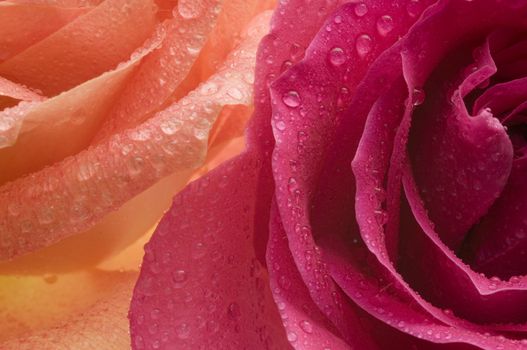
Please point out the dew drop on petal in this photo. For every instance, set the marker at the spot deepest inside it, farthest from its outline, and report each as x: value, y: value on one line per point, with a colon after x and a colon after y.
x: 291, y: 99
x: 418, y: 96
x: 183, y: 331
x: 188, y: 9
x: 361, y: 9
x: 337, y: 56
x: 384, y: 25
x: 280, y: 125
x: 291, y: 336
x: 179, y: 277
x: 306, y: 326
x: 363, y: 45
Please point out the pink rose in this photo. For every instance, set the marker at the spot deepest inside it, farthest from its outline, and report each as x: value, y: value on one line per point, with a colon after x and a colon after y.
x: 380, y: 203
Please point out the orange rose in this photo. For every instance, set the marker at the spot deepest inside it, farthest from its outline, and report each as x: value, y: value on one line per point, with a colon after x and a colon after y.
x: 107, y: 109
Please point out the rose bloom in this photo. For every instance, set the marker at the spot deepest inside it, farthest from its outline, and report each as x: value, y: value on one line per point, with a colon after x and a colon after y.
x: 108, y: 108
x: 380, y: 202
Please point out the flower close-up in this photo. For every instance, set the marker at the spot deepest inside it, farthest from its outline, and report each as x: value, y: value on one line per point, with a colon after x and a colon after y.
x: 298, y: 174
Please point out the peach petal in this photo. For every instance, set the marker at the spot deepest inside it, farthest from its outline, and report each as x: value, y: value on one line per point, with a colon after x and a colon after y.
x: 84, y: 48
x: 83, y: 311
x: 65, y: 124
x: 233, y: 19
x: 163, y: 70
x: 73, y: 195
x: 24, y: 24
x: 17, y: 91
x: 112, y: 234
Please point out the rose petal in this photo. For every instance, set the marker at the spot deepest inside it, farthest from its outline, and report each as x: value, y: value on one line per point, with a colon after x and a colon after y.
x: 64, y: 125
x: 98, y: 321
x: 95, y: 43
x: 24, y: 24
x: 163, y: 70
x: 306, y: 326
x: 312, y: 194
x: 472, y: 154
x: 498, y: 243
x: 502, y: 98
x: 200, y: 284
x: 105, y: 176
x: 371, y: 168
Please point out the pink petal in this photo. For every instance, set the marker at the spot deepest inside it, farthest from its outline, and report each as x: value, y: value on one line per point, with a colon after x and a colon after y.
x: 306, y: 326
x: 308, y: 101
x: 200, y: 283
x: 499, y: 242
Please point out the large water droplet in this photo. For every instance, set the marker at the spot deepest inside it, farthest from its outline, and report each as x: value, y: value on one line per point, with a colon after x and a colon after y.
x: 337, y: 56
x: 384, y: 25
x: 291, y: 99
x: 363, y: 45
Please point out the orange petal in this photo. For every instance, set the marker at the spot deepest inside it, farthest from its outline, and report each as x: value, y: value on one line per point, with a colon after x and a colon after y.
x: 233, y: 19
x: 24, y: 24
x: 112, y: 234
x: 84, y: 48
x: 72, y: 196
x: 164, y: 69
x: 86, y: 310
x: 65, y: 124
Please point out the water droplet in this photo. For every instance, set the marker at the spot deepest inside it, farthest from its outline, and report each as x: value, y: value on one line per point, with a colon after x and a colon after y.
x: 188, y: 9
x: 193, y: 50
x: 183, y: 331
x: 235, y: 93
x: 208, y: 88
x: 155, y: 313
x: 306, y: 326
x: 414, y: 8
x: 418, y: 96
x: 363, y: 45
x: 296, y: 51
x: 179, y: 277
x: 384, y: 25
x: 291, y: 336
x: 361, y: 9
x: 291, y: 99
x: 284, y: 282
x: 337, y: 56
x: 50, y: 278
x: 234, y: 311
x: 280, y: 125
x: 171, y: 126
x: 337, y: 19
